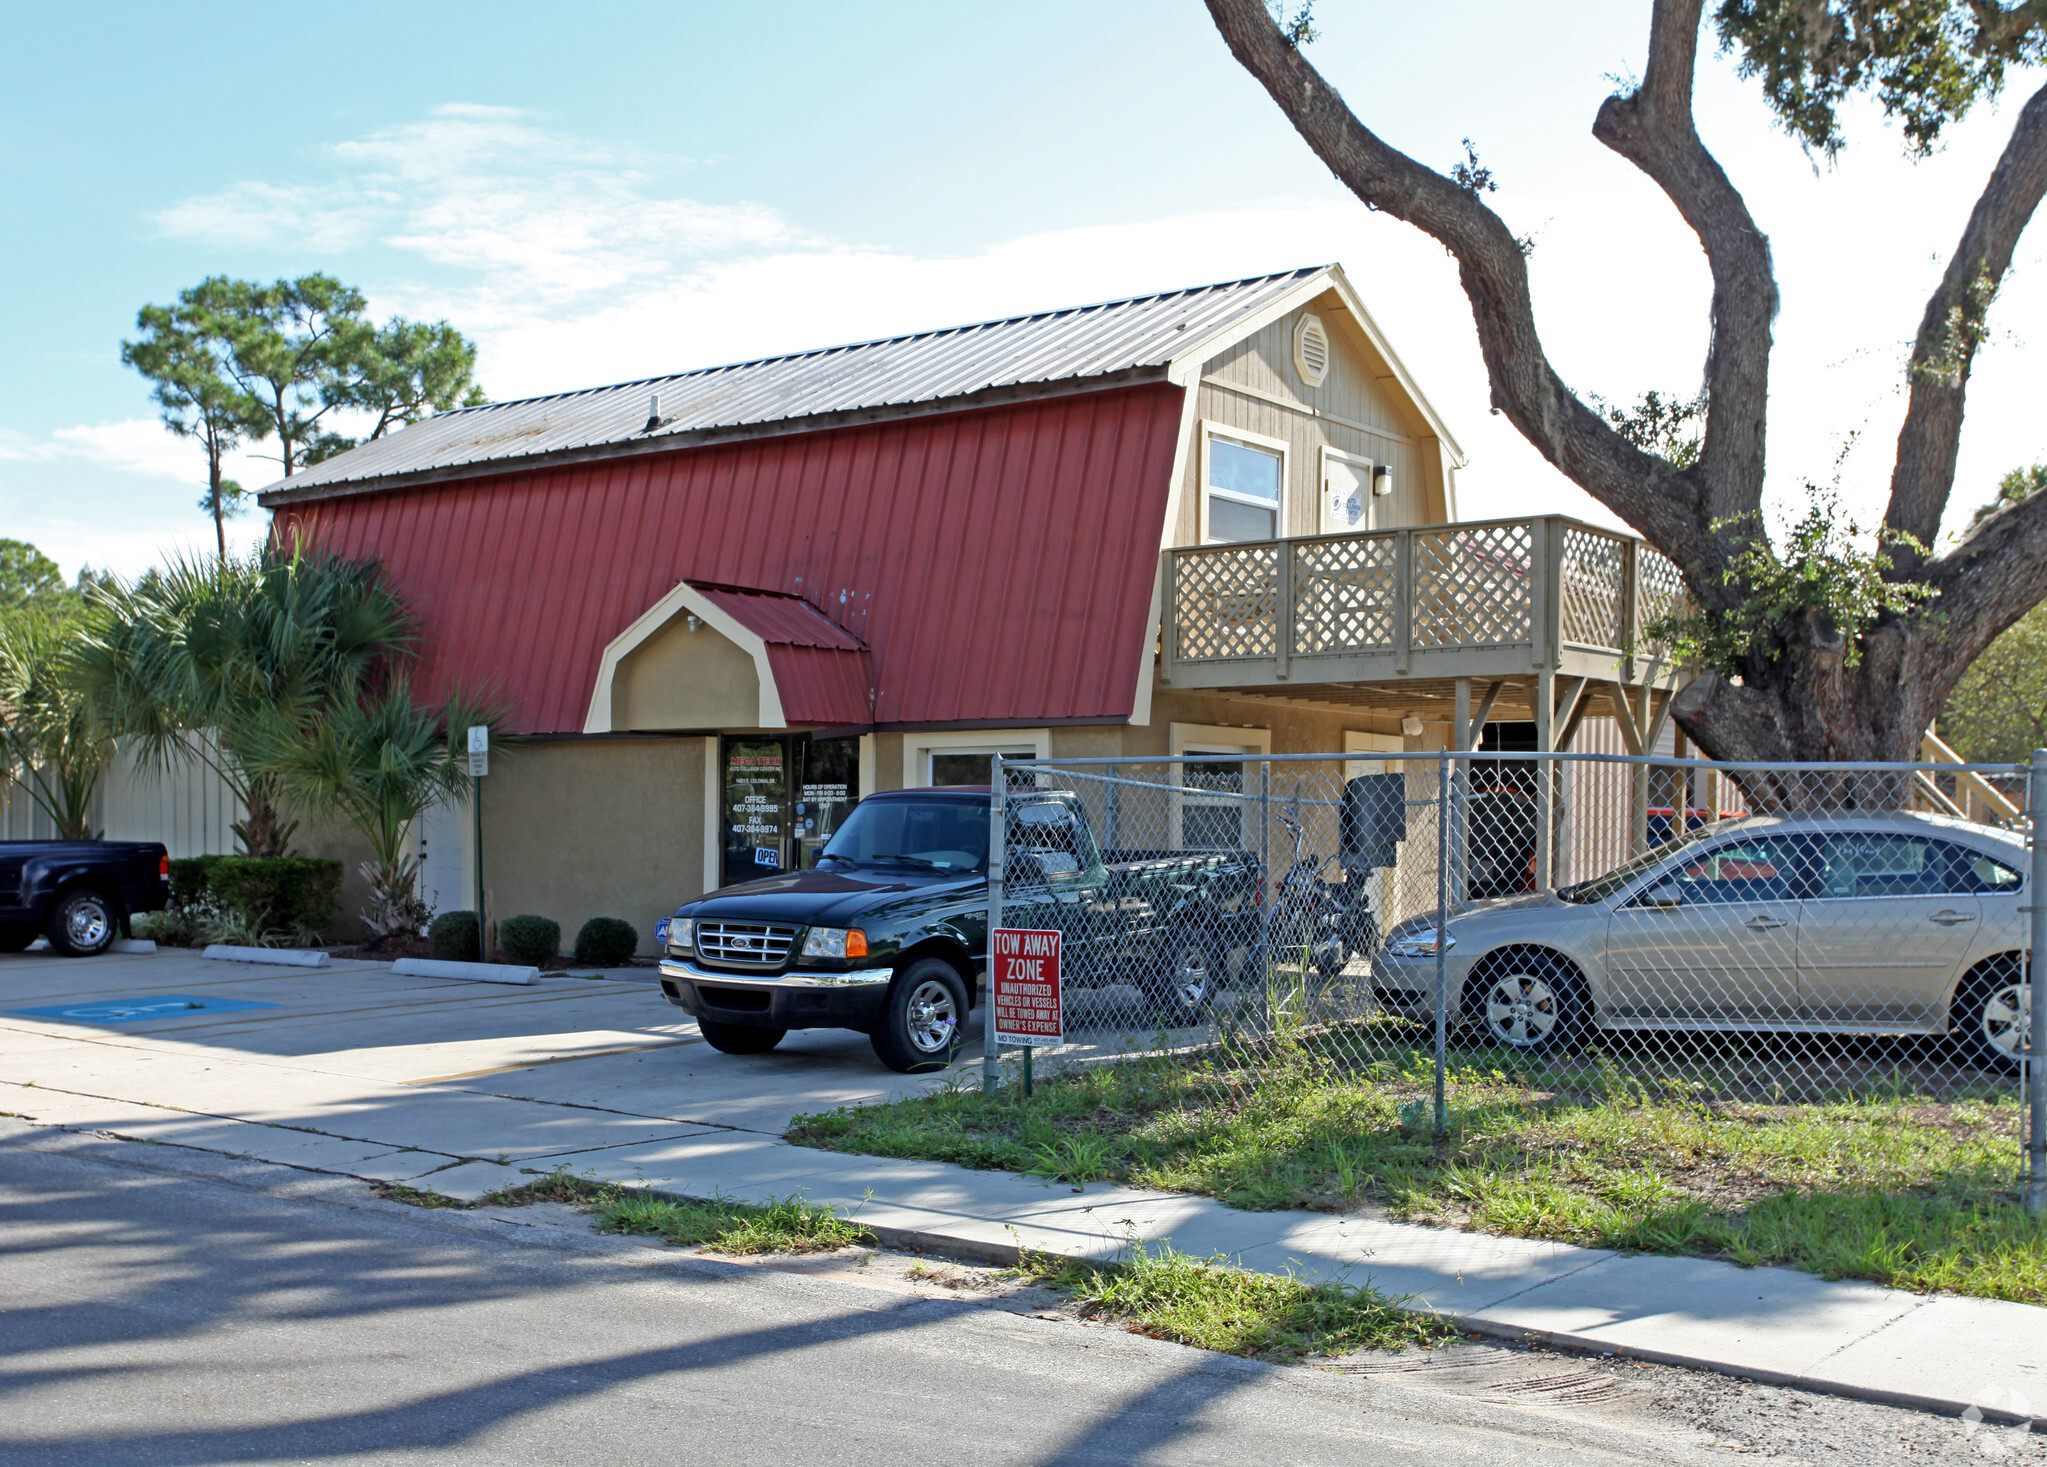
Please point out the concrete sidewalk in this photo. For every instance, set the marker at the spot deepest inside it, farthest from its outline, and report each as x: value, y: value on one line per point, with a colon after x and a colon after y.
x: 493, y: 1086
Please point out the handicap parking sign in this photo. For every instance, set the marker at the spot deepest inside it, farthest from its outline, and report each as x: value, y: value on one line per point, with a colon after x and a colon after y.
x: 140, y: 1010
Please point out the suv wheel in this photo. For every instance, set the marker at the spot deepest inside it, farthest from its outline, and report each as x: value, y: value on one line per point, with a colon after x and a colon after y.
x: 923, y: 1025
x: 1530, y: 1002
x: 1993, y: 1013
x: 739, y: 1038
x: 82, y: 923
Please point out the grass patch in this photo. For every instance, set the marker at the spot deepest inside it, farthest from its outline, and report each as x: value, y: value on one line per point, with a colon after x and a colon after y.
x: 1874, y: 1182
x: 788, y: 1225
x: 1175, y: 1296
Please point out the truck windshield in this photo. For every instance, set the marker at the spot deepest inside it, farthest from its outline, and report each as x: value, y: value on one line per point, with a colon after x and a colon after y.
x: 938, y: 835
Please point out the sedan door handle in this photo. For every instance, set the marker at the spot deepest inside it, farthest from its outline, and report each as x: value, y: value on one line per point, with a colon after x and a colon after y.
x: 1764, y: 924
x: 1948, y: 918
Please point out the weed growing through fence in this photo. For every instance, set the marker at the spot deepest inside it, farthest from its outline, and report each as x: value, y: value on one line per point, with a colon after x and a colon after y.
x: 1871, y: 1181
x: 1175, y: 1296
x: 787, y: 1225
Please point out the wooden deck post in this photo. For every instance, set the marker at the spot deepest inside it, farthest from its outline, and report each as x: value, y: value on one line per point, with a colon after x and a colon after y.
x: 1283, y: 608
x: 1545, y: 779
x: 1462, y: 736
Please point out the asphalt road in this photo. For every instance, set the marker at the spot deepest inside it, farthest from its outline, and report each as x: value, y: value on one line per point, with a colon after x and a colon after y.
x: 159, y: 1306
x: 167, y: 1306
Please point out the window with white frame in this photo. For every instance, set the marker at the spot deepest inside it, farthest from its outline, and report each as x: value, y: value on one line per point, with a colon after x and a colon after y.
x: 1212, y: 799
x: 966, y: 757
x: 1243, y: 486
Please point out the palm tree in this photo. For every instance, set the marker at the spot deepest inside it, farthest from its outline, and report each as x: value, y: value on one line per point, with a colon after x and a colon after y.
x: 193, y: 660
x: 52, y: 741
x: 381, y: 761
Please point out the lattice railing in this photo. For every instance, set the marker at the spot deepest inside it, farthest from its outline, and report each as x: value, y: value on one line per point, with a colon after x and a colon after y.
x: 1592, y: 587
x: 1474, y: 587
x: 1547, y: 584
x: 1346, y: 593
x: 1659, y: 589
x: 1226, y: 602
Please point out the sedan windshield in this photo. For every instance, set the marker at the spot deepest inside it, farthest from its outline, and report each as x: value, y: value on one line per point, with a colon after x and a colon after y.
x: 1600, y: 888
x: 932, y: 835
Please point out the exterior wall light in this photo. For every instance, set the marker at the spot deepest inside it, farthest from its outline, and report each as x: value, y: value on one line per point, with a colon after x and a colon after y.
x: 1382, y: 481
x: 695, y: 621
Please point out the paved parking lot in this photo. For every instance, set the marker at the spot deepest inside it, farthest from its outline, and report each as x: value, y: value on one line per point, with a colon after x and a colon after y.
x: 350, y: 1068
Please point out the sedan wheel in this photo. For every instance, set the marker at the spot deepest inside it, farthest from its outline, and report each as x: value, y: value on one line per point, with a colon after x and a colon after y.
x: 1994, y: 1015
x: 1526, y: 1002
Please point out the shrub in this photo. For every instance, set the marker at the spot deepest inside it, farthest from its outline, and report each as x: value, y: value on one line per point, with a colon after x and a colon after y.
x: 534, y: 941
x: 452, y: 938
x: 294, y: 896
x: 290, y: 894
x: 188, y: 883
x: 607, y: 942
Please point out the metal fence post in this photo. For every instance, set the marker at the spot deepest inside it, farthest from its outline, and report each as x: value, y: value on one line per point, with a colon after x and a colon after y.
x: 1442, y: 934
x: 2036, y: 1061
x: 991, y: 1052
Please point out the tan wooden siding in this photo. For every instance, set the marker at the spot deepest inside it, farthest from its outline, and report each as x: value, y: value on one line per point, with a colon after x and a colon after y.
x: 1354, y: 388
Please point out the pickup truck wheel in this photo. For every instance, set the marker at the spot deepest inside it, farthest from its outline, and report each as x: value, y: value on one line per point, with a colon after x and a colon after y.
x: 739, y: 1038
x: 82, y: 923
x: 1192, y: 970
x: 921, y: 1028
x: 14, y: 939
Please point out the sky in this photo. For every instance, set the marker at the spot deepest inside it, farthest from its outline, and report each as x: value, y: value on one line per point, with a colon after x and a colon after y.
x: 595, y: 195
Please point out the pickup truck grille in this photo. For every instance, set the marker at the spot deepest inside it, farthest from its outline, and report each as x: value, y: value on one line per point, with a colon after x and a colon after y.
x: 745, y: 944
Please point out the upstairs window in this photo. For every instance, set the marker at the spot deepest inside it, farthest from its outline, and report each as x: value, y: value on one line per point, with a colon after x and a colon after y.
x: 1241, y: 493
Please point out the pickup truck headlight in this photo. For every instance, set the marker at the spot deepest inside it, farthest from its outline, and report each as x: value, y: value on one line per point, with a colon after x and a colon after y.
x: 835, y: 942
x: 682, y: 934
x: 1420, y: 943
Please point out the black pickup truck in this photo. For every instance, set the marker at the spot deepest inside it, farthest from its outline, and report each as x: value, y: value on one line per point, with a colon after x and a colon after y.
x: 887, y: 932
x: 78, y: 893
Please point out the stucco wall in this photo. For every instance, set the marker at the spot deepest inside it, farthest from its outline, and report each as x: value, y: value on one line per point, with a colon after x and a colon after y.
x: 597, y: 827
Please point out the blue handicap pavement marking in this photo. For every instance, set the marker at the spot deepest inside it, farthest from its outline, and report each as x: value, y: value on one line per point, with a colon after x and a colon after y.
x: 137, y: 1010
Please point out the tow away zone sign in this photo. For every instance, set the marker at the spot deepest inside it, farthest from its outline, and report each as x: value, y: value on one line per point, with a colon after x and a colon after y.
x: 1024, y: 966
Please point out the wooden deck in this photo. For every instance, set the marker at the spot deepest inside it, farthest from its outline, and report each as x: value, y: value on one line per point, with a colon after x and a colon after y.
x: 1369, y: 613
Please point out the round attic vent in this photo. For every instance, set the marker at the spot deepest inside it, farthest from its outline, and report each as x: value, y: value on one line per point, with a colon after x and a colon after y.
x: 1311, y: 350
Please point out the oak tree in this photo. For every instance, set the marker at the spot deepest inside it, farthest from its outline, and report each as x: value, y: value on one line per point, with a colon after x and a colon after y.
x: 1818, y: 648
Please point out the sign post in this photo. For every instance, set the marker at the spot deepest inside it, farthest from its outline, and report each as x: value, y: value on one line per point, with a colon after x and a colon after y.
x: 1025, y: 1005
x: 479, y: 766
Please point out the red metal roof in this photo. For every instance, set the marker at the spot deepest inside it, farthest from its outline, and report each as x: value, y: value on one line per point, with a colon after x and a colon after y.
x: 774, y: 617
x: 822, y: 671
x: 997, y: 563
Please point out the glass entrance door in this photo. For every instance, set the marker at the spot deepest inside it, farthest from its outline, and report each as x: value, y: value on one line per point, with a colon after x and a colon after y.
x: 756, y: 808
x: 784, y: 797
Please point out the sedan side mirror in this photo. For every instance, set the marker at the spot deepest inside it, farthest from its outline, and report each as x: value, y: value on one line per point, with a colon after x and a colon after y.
x: 1666, y: 895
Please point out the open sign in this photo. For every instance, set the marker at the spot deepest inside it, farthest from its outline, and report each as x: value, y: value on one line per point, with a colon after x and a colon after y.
x: 1023, y: 971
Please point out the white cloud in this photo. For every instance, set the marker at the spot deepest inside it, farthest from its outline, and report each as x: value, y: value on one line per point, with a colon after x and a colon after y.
x: 135, y: 446
x: 542, y: 218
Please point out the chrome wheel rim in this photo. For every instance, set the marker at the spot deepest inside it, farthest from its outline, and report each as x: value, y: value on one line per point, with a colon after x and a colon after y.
x: 87, y: 923
x: 933, y: 1017
x: 2006, y: 1019
x: 1191, y: 975
x: 1521, y: 1009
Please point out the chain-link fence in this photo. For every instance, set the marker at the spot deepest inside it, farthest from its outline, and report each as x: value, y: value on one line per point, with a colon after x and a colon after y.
x: 1568, y: 925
